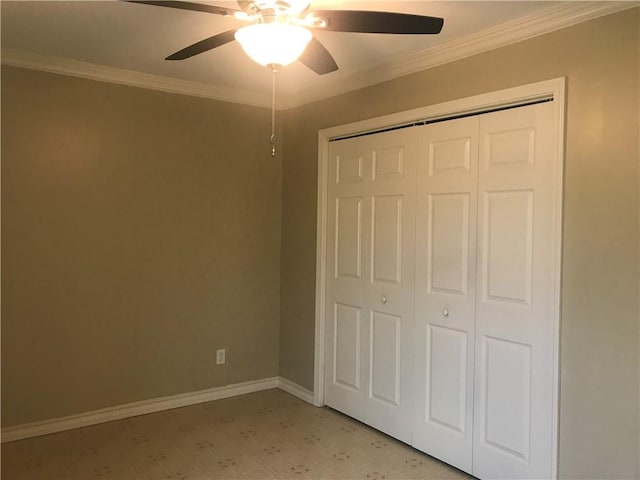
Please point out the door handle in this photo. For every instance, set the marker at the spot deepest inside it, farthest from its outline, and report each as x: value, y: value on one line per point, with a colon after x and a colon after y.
x: 383, y: 299
x: 445, y: 312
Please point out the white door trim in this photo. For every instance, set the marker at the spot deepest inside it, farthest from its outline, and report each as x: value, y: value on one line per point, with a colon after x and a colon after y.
x: 555, y: 89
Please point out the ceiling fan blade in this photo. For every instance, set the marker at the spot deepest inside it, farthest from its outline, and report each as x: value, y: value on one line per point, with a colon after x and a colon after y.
x: 318, y: 58
x: 196, y: 7
x: 204, y: 45
x: 378, y: 22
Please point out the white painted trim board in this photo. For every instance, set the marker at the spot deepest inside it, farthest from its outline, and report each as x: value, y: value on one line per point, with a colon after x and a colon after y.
x: 295, y: 390
x: 119, y: 412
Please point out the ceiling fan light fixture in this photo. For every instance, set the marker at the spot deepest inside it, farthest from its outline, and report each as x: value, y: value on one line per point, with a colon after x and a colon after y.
x: 276, y: 43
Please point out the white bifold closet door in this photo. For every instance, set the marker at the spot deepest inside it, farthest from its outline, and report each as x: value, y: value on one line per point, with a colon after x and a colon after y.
x: 370, y: 279
x: 441, y: 287
x: 515, y: 285
x: 445, y: 290
x: 484, y: 321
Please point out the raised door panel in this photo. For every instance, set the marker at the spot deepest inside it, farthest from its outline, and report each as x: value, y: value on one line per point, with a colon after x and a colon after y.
x: 446, y: 155
x: 348, y: 237
x: 388, y: 163
x: 385, y: 352
x: 448, y: 243
x: 349, y: 167
x: 510, y: 148
x: 445, y: 290
x: 508, y: 410
x: 507, y: 246
x: 517, y: 253
x: 386, y: 241
x: 346, y: 346
x: 446, y: 386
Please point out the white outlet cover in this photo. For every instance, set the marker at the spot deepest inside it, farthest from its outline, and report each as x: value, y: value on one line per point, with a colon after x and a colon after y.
x: 220, y: 357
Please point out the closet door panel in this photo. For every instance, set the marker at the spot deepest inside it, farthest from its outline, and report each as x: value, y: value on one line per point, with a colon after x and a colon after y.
x: 445, y: 290
x: 515, y: 302
x: 368, y: 369
x: 346, y: 299
x: 390, y: 282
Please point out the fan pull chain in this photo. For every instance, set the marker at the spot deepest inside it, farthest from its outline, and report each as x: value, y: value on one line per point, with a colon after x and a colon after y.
x: 273, y: 112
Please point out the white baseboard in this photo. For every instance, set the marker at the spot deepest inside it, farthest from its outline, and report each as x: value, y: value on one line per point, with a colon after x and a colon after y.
x: 35, y: 429
x: 54, y: 425
x: 295, y: 389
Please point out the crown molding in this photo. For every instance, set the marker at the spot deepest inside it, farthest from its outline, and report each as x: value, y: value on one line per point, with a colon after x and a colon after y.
x: 554, y: 18
x: 132, y: 78
x: 533, y: 25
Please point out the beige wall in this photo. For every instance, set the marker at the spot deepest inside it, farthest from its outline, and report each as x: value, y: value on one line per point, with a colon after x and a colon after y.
x: 140, y: 231
x: 599, y: 364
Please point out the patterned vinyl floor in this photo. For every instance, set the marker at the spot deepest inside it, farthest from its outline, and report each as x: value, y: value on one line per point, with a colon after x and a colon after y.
x: 264, y: 435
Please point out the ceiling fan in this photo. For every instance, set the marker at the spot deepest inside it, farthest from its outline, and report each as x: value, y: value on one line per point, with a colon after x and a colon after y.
x: 280, y: 30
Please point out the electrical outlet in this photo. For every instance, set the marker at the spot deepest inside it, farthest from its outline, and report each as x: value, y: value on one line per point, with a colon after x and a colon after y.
x: 221, y: 356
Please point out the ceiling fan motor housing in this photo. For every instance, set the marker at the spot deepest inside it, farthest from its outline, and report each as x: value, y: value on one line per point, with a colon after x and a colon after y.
x: 274, y: 7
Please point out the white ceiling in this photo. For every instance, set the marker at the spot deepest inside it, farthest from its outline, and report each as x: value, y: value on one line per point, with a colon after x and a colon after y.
x: 137, y: 38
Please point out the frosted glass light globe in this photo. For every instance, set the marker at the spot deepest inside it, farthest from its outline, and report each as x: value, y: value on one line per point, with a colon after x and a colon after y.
x: 273, y: 43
